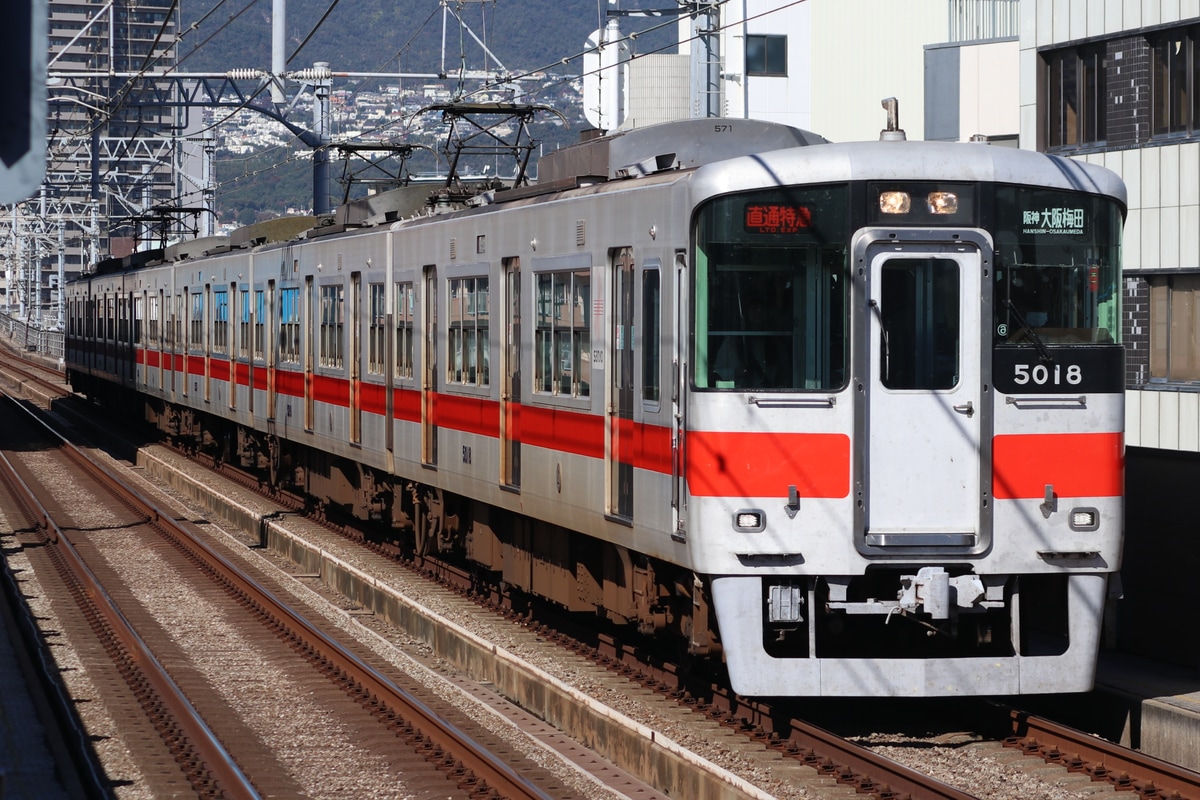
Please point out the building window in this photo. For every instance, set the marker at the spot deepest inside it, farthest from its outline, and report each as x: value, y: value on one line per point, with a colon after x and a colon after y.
x: 1076, y: 90
x: 562, y: 342
x: 766, y: 55
x: 1175, y: 93
x: 406, y: 300
x: 1175, y: 328
x: 468, y: 332
x: 289, y: 326
x: 333, y: 302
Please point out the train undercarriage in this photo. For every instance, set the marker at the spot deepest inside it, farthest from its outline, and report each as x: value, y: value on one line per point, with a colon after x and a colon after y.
x: 521, y: 556
x: 505, y: 550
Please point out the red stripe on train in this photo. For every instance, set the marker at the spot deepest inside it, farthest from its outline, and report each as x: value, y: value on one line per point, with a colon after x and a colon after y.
x: 1076, y: 464
x: 558, y: 429
x: 766, y: 464
x: 476, y: 415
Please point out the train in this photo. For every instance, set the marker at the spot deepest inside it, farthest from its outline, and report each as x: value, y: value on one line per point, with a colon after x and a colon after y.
x: 839, y: 419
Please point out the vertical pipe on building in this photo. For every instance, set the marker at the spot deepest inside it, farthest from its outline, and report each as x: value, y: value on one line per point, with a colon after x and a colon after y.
x: 745, y: 72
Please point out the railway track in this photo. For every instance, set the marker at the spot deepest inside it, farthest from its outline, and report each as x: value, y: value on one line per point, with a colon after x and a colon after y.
x: 839, y: 762
x: 138, y: 646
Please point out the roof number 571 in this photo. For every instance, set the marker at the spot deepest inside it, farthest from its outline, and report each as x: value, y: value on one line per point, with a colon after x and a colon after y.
x: 1041, y: 375
x: 722, y: 129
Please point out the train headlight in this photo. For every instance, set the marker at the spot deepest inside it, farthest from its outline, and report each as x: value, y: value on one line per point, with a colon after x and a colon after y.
x: 893, y: 202
x: 1084, y: 519
x: 943, y: 203
x: 749, y: 520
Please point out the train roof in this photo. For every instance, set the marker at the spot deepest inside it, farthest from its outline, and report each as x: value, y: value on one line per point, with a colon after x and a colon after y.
x: 905, y: 160
x: 671, y: 145
x: 751, y: 154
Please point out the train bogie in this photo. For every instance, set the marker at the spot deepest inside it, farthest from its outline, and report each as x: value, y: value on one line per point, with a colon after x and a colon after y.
x: 848, y: 414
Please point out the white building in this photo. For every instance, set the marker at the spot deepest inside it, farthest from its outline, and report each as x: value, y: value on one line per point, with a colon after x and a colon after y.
x: 826, y: 65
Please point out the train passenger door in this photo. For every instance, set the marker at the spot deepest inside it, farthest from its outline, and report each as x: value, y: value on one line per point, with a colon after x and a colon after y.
x: 272, y: 354
x: 924, y: 409
x: 429, y: 454
x: 510, y: 392
x: 620, y: 370
x: 161, y: 317
x: 355, y: 357
x: 309, y: 324
x: 679, y: 369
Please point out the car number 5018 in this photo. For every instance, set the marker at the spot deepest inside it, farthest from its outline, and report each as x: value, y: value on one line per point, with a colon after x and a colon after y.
x: 1042, y: 375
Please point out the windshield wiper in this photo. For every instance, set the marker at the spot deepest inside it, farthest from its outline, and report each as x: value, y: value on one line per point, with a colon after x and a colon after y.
x: 1026, y: 327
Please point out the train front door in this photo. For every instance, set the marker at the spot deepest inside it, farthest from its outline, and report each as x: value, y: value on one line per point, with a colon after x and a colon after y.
x: 924, y: 409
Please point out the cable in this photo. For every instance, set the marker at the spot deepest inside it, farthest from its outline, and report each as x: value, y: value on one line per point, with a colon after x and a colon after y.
x: 316, y: 27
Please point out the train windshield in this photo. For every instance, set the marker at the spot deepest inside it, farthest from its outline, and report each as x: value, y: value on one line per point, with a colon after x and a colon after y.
x: 1058, y: 268
x: 771, y: 295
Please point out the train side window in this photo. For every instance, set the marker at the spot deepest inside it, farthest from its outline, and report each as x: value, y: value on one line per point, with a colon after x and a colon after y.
x: 244, y: 323
x: 260, y: 316
x: 468, y: 362
x: 152, y: 321
x: 220, y: 340
x: 196, y: 339
x: 333, y: 321
x: 562, y: 339
x: 138, y: 311
x: 289, y: 325
x: 406, y: 300
x: 376, y: 329
x: 651, y: 335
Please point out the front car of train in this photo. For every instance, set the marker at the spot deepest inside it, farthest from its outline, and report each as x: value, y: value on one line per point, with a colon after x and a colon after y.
x: 904, y: 453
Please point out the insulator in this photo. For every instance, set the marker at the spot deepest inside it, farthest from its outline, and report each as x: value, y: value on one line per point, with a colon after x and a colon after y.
x: 245, y: 74
x: 311, y: 74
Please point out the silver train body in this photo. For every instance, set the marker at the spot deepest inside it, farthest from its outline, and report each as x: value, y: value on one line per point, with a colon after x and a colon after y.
x: 848, y: 416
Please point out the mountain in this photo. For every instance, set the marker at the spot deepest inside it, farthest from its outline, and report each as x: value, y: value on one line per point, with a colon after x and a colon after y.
x: 382, y: 35
x: 385, y: 36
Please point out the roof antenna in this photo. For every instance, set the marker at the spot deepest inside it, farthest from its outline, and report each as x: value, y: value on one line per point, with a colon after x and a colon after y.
x: 893, y: 132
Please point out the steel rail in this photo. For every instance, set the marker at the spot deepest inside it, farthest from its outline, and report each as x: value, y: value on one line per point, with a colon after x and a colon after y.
x: 374, y: 686
x: 212, y: 755
x: 867, y: 771
x: 1103, y: 760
